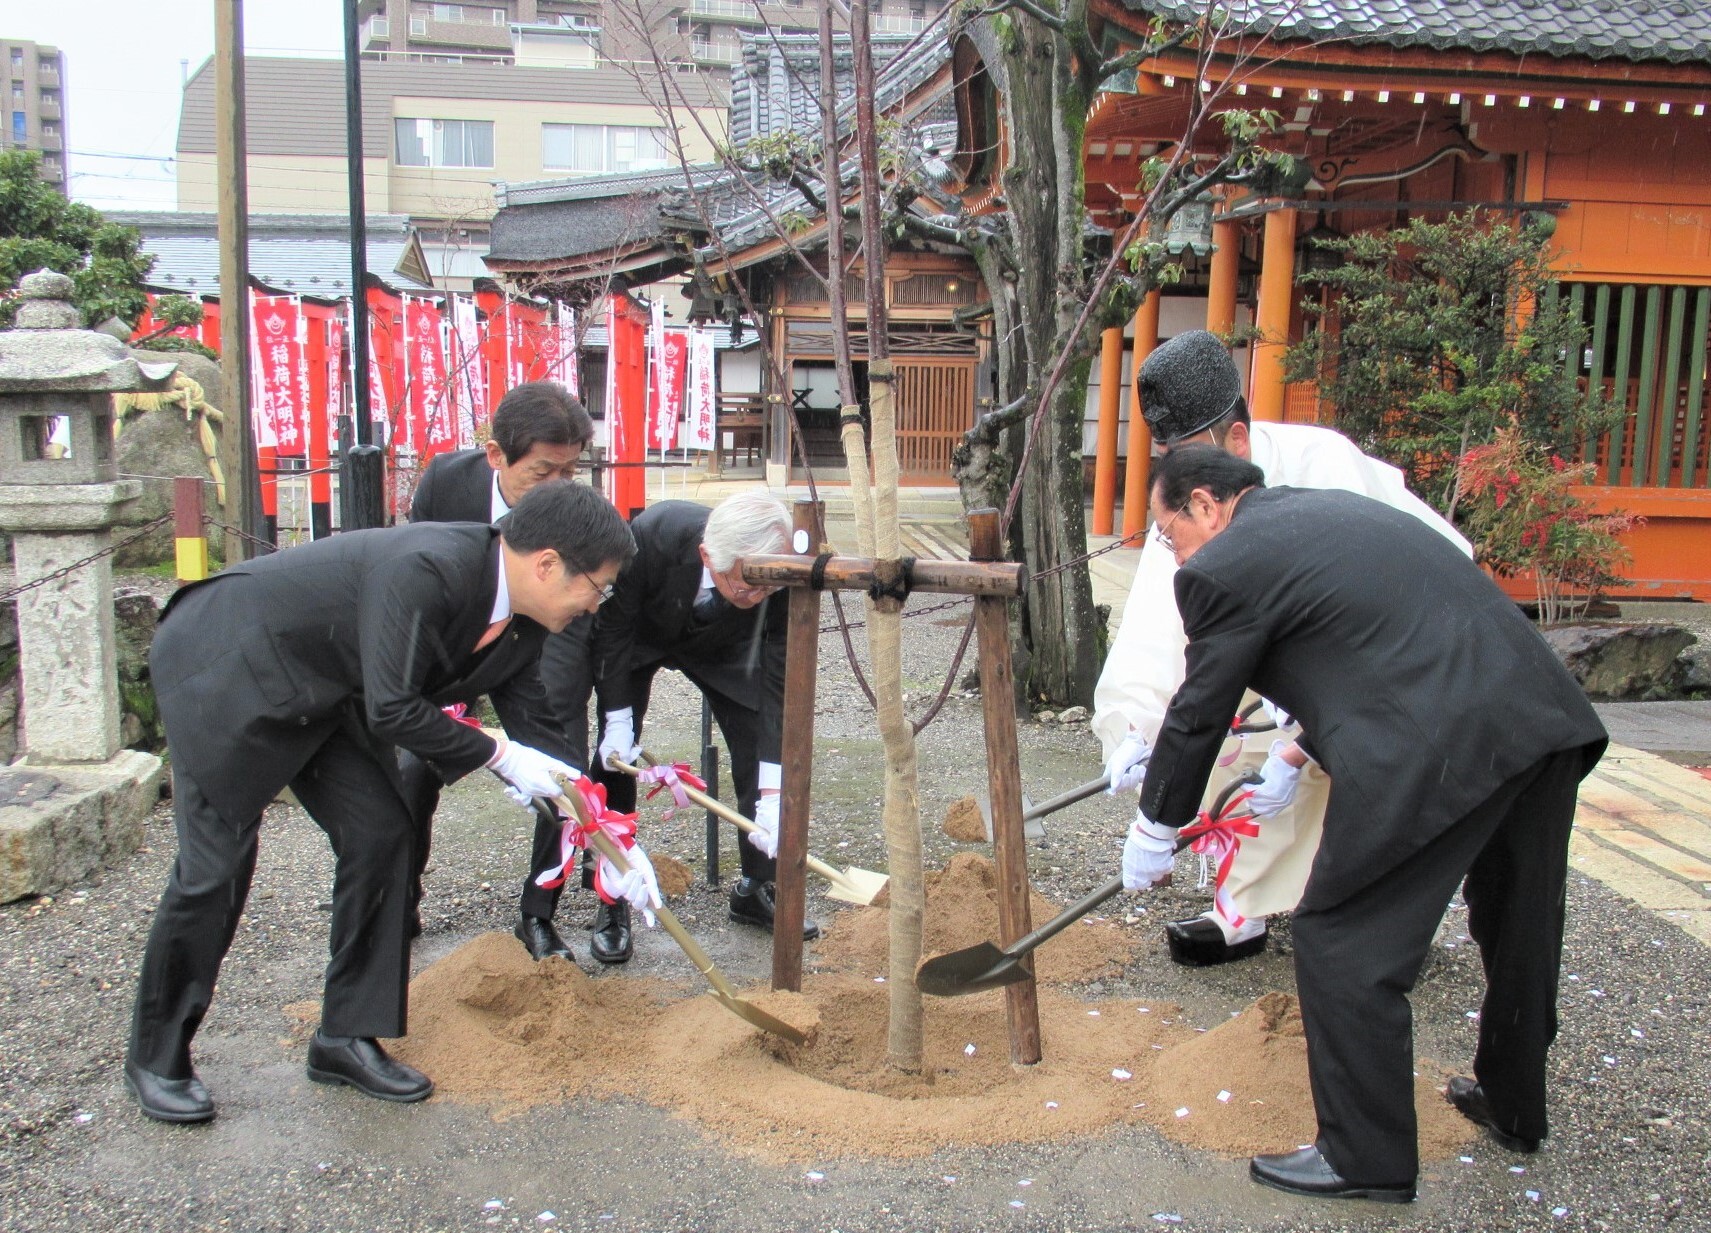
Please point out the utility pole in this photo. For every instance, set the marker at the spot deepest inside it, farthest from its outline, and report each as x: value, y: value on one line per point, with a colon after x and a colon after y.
x: 361, y: 469
x: 243, y: 506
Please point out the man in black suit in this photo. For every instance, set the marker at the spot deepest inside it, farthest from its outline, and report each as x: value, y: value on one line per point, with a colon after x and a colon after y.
x: 310, y: 669
x: 1455, y: 743
x: 682, y: 603
x: 538, y: 435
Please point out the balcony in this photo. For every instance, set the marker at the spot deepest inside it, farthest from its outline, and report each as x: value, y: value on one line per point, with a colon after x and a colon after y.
x: 49, y: 108
x: 47, y: 75
x: 739, y: 9
x: 704, y: 51
x: 52, y: 141
x: 377, y: 29
x: 902, y: 23
x: 475, y: 36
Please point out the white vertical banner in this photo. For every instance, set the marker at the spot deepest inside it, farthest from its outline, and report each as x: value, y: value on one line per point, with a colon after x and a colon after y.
x: 471, y: 382
x: 611, y: 416
x: 570, y: 360
x: 702, y: 431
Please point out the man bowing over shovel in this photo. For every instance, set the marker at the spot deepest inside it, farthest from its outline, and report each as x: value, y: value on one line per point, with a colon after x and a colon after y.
x: 1455, y: 743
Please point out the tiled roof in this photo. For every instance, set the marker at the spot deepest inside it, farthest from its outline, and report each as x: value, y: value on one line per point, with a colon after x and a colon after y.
x: 302, y: 254
x: 1677, y: 31
x: 547, y: 220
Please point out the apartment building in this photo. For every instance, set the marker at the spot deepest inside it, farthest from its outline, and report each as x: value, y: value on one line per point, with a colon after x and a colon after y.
x: 33, y: 79
x: 436, y: 136
x: 700, y: 36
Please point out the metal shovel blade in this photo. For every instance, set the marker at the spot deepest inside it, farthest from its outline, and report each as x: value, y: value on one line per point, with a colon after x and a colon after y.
x: 985, y: 966
x: 1032, y: 827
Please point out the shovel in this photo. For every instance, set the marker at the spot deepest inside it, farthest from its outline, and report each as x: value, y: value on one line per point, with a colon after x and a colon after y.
x: 852, y: 885
x: 723, y: 990
x: 1032, y: 813
x: 986, y: 966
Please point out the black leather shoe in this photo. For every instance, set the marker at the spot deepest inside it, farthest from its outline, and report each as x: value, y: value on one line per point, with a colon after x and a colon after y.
x: 360, y: 1062
x: 1307, y: 1172
x: 611, y: 942
x: 168, y: 1100
x: 538, y: 935
x: 1199, y: 943
x: 751, y: 904
x: 1471, y: 1099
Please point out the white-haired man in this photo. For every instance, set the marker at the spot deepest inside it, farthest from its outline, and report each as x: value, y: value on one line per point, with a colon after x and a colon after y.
x: 682, y: 603
x: 1190, y: 393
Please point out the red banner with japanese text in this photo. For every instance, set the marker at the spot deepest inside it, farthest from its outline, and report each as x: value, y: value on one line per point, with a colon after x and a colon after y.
x: 670, y: 367
x: 279, y: 381
x: 430, y: 412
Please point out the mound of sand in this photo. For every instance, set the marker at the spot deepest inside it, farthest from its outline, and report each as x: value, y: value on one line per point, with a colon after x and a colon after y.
x: 1244, y: 1086
x: 491, y: 1026
x: 675, y: 878
x: 963, y: 822
x: 962, y: 910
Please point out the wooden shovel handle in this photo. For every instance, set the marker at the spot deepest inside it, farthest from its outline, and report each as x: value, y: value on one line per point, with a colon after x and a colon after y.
x: 602, y: 843
x: 730, y: 815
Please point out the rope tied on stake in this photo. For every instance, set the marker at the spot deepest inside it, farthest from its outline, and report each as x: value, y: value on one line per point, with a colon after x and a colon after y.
x: 892, y: 579
x: 817, y: 577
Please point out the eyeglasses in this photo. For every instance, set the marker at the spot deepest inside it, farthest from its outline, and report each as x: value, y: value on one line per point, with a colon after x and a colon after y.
x: 1161, y: 531
x: 604, y: 592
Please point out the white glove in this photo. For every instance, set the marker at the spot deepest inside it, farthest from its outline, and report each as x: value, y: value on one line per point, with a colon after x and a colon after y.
x: 765, y: 834
x: 1276, y: 787
x: 639, y: 886
x: 1127, y: 766
x: 529, y: 773
x: 1277, y: 714
x: 618, y: 739
x: 1149, y: 853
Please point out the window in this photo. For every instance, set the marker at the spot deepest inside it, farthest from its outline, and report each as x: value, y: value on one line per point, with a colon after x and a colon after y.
x: 17, y: 94
x: 19, y: 130
x: 17, y: 60
x: 444, y: 143
x: 499, y: 17
x: 49, y: 129
x: 601, y: 147
x: 418, y: 25
x: 449, y: 12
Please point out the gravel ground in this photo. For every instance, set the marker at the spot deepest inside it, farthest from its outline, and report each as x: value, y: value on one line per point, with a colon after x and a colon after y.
x: 1630, y: 1148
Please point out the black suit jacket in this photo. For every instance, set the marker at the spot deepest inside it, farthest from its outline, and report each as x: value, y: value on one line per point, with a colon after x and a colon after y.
x: 456, y: 487
x: 1419, y: 685
x: 647, y: 621
x: 372, y: 630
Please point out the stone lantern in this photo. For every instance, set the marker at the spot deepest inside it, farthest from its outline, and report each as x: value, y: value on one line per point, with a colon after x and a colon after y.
x: 59, y: 500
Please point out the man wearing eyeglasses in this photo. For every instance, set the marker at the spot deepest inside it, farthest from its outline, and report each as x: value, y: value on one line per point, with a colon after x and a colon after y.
x: 683, y: 604
x: 1190, y: 393
x: 1456, y: 744
x: 538, y: 434
x: 332, y: 657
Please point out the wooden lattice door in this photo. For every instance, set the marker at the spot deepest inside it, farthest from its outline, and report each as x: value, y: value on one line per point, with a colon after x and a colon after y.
x: 935, y: 406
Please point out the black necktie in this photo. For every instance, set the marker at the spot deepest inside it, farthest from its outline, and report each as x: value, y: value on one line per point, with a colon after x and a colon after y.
x: 706, y: 609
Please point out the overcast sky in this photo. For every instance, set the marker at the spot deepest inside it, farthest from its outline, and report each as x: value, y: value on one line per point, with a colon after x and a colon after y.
x: 124, y: 64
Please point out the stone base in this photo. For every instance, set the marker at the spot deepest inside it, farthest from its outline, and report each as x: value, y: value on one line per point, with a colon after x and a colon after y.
x: 59, y: 823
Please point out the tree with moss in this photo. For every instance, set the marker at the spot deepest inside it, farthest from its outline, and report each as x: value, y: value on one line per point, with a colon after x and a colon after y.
x: 1438, y: 336
x: 40, y: 229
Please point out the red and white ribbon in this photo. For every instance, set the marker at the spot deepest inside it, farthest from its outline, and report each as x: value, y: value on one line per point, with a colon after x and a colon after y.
x: 672, y: 777
x: 620, y: 828
x: 1217, y: 840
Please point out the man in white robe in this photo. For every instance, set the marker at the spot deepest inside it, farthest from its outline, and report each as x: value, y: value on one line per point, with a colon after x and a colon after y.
x: 1190, y: 392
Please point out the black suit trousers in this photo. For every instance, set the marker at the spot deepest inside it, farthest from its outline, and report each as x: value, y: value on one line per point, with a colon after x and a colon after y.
x: 352, y: 798
x: 740, y: 726
x: 1356, y: 962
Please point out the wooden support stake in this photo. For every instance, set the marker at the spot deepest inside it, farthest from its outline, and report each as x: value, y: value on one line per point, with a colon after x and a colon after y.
x: 1004, y: 787
x: 1001, y: 578
x: 796, y: 753
x: 190, y: 545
